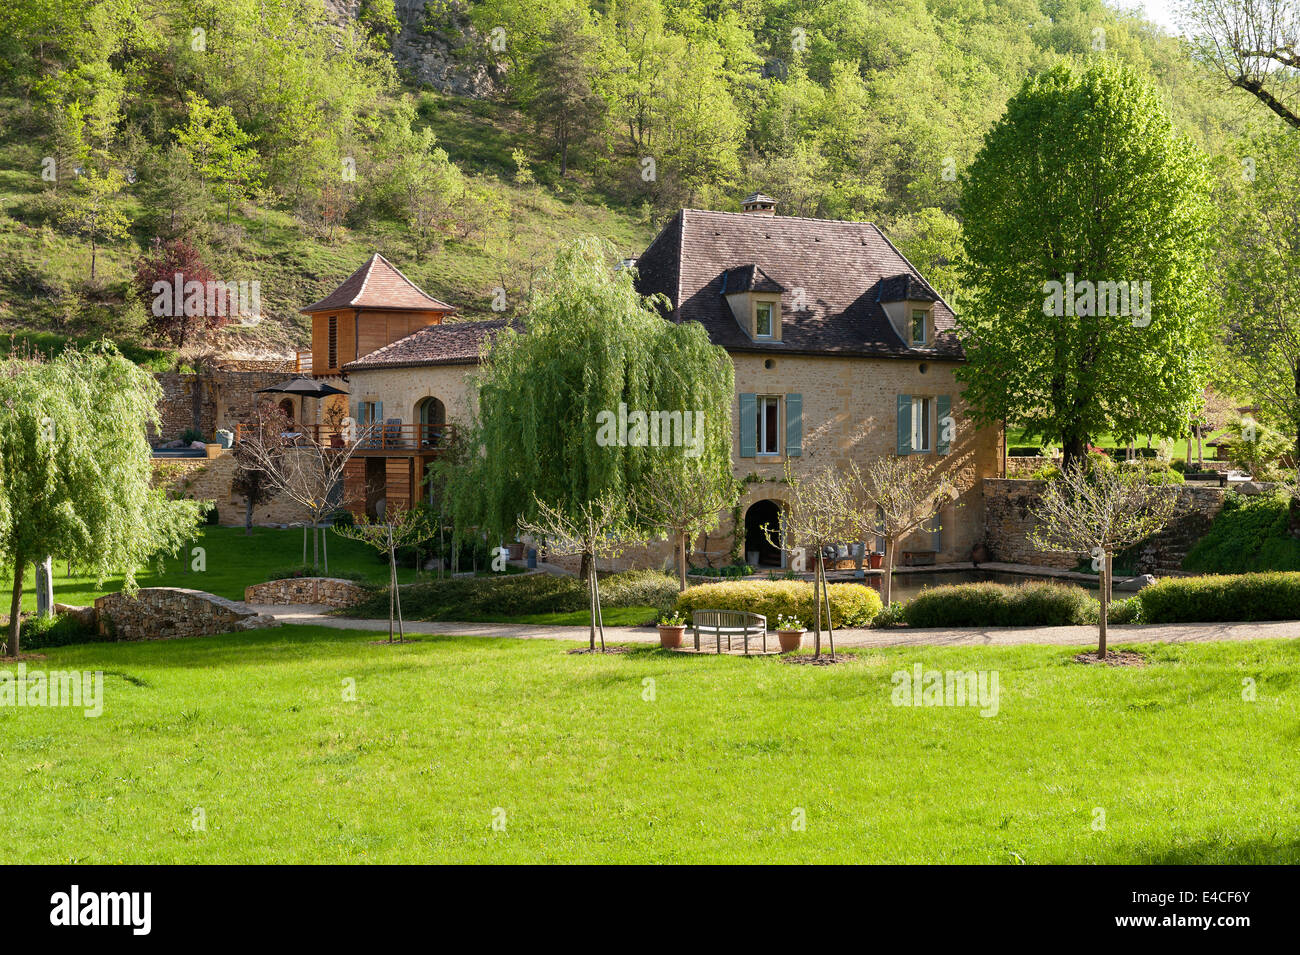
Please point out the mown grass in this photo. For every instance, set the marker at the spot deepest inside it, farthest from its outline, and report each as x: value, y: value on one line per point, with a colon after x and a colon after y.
x: 584, y: 763
x: 233, y: 561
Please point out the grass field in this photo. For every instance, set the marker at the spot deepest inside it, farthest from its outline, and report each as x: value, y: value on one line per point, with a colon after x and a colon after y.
x: 447, y: 733
x: 233, y: 561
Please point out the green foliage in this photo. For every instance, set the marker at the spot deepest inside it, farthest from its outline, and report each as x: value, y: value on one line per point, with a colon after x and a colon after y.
x: 1269, y: 596
x: 54, y: 631
x: 494, y: 598
x: 1085, y: 180
x: 549, y: 400
x: 78, y: 469
x: 1248, y: 534
x: 306, y: 570
x: 731, y: 570
x: 852, y: 605
x: 1001, y: 605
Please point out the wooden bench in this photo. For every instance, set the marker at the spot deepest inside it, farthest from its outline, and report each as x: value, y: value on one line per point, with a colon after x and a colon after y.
x: 728, y: 623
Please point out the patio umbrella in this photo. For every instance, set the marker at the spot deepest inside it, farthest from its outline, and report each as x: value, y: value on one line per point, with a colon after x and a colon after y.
x: 307, y: 387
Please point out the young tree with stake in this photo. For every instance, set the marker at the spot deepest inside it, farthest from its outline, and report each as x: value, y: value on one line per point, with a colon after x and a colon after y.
x: 892, y: 498
x: 1097, y: 511
x: 590, y: 530
x: 398, y: 528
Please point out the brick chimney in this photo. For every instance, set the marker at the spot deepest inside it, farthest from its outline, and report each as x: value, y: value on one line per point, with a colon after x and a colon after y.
x: 757, y: 204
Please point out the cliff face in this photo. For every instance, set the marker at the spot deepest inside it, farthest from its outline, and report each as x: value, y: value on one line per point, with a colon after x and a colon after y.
x: 443, y: 52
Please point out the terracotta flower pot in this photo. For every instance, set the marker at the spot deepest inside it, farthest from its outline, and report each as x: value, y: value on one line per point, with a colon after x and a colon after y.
x: 670, y: 638
x: 790, y: 640
x: 877, y: 560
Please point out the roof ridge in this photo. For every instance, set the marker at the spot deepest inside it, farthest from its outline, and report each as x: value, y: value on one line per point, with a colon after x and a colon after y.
x: 365, y: 279
x: 750, y: 215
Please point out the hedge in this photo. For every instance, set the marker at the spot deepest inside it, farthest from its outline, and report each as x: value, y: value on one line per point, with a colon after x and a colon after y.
x: 852, y: 605
x: 1271, y: 596
x: 490, y: 598
x: 39, y: 633
x: 1001, y: 605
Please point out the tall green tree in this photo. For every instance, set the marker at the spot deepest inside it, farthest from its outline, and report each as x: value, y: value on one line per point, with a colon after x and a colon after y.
x: 220, y: 152
x: 77, y: 470
x: 568, y: 410
x: 1087, y: 224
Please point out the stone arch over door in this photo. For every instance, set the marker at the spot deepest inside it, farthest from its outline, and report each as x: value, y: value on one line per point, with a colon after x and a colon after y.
x: 760, y: 513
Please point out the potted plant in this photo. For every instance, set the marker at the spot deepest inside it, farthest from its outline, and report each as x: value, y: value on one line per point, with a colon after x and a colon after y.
x: 671, y: 628
x: 789, y: 630
x: 877, y: 560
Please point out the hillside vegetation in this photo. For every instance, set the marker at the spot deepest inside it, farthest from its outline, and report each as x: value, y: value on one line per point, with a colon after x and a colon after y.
x: 276, y: 141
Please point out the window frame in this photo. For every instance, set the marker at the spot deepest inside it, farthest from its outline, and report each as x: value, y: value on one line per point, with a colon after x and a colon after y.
x: 922, y: 409
x: 924, y: 315
x: 771, y: 319
x: 760, y: 438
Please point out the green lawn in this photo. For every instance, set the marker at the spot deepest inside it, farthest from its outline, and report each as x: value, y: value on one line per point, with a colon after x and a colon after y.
x: 233, y: 561
x: 254, y: 731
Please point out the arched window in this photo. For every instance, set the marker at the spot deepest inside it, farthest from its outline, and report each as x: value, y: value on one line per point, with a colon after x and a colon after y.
x: 431, y: 416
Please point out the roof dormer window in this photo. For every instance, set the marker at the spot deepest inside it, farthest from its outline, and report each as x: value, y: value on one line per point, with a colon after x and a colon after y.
x: 920, y: 318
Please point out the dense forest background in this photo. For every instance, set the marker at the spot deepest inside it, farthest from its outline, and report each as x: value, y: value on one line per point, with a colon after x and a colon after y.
x: 284, y: 140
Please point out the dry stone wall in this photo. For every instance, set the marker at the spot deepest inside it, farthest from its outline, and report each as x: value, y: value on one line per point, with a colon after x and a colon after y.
x: 327, y: 591
x: 163, y: 613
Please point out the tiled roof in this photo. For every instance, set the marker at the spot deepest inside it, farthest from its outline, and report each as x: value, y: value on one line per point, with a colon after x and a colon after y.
x: 453, y: 343
x: 837, y: 270
x: 378, y: 284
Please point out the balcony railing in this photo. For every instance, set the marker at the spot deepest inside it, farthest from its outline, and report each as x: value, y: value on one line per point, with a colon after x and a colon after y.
x: 386, y: 436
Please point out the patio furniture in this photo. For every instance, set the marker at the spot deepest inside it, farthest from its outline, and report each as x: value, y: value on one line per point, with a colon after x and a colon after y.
x: 728, y: 623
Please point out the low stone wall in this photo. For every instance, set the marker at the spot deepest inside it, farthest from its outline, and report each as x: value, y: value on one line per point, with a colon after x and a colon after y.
x: 1023, y: 467
x: 209, y: 479
x: 1008, y: 521
x: 161, y: 613
x: 329, y: 591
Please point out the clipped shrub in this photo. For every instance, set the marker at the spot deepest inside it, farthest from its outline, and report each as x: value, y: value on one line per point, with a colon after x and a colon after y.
x: 1001, y: 605
x: 731, y: 570
x: 852, y: 605
x: 1271, y: 596
x: 639, y: 588
x: 306, y: 570
x: 892, y: 616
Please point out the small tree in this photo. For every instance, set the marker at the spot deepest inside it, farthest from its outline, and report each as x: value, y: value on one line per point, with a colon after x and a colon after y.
x: 398, y: 528
x: 92, y: 210
x: 1097, y: 511
x: 817, y: 515
x: 895, y: 497
x: 687, y: 505
x: 308, y: 472
x: 250, y: 480
x: 591, y: 529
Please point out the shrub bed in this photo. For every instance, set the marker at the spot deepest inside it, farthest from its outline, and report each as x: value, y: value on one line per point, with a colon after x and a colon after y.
x: 37, y: 633
x: 1001, y: 605
x: 1249, y: 534
x: 489, y: 598
x: 852, y: 605
x: 1272, y: 596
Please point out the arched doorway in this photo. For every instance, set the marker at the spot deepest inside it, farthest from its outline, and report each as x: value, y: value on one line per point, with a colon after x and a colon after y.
x: 431, y: 415
x: 286, y: 409
x: 759, y: 515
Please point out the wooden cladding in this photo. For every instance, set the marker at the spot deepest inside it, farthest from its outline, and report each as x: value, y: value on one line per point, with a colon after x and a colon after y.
x: 340, y: 338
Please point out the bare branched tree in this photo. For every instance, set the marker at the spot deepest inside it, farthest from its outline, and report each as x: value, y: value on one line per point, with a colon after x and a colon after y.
x: 687, y: 506
x: 1097, y: 511
x: 817, y: 515
x: 306, y: 471
x: 894, y: 497
x: 399, y: 527
x: 596, y: 528
x: 1255, y: 44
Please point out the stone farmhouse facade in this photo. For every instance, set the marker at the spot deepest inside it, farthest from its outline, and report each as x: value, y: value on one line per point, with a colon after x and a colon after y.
x: 842, y: 351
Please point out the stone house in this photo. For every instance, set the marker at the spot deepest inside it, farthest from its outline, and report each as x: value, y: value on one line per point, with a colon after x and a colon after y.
x: 842, y: 351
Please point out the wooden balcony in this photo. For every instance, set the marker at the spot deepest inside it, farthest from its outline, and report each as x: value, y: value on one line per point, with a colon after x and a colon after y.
x: 377, y: 440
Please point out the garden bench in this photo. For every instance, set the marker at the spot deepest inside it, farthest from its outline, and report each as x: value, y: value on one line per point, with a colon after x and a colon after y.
x: 728, y: 623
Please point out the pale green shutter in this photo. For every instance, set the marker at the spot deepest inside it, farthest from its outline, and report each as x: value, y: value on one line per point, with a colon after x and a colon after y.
x: 793, y: 425
x: 943, y: 404
x: 748, y: 425
x: 904, y: 424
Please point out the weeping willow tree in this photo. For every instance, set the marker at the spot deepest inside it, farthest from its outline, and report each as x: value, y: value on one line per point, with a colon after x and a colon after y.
x: 76, y: 469
x: 598, y: 396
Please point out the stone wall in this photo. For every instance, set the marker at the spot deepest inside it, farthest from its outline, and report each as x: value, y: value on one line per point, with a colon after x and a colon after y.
x: 226, y: 398
x: 162, y: 613
x: 328, y: 591
x: 1008, y: 523
x: 209, y: 479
